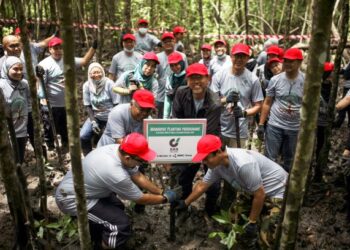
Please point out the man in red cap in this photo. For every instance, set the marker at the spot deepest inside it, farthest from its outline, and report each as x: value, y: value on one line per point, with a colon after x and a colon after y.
x: 127, y: 118
x: 145, y: 42
x: 257, y: 177
x: 282, y: 105
x: 163, y: 69
x: 179, y: 32
x: 112, y: 171
x: 206, y: 55
x: 221, y: 59
x: 196, y: 100
x: 237, y: 84
x: 125, y: 60
x: 53, y: 75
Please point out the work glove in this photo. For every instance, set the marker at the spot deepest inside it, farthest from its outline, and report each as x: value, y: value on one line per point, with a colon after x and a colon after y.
x: 40, y: 71
x: 173, y: 195
x: 95, y: 128
x: 180, y: 204
x: 57, y: 33
x: 250, y: 237
x: 233, y: 96
x: 260, y: 132
x: 238, y: 112
x: 94, y: 44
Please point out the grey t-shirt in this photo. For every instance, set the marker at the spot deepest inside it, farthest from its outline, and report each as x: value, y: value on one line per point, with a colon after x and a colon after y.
x: 248, y: 171
x: 288, y: 95
x: 216, y: 64
x: 18, y: 101
x: 121, y: 62
x: 127, y: 98
x: 179, y: 46
x: 119, y: 124
x: 35, y: 50
x: 103, y: 103
x: 54, y: 79
x: 146, y: 43
x: 248, y: 86
x: 164, y: 71
x: 104, y: 175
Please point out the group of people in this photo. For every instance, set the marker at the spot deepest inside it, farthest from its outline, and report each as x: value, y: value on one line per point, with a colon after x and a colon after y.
x: 229, y: 90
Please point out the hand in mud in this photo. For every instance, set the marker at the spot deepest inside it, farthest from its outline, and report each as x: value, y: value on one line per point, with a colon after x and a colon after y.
x: 173, y: 195
x: 250, y: 236
x: 180, y: 204
x: 233, y: 96
x: 260, y: 132
x: 238, y: 112
x: 94, y: 44
x: 40, y: 71
x: 95, y: 128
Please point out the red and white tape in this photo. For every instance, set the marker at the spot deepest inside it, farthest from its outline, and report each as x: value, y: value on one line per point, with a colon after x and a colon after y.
x: 107, y: 27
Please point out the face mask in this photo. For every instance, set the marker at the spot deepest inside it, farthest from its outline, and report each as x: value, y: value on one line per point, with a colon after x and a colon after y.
x: 143, y: 30
x: 128, y: 50
x: 221, y: 56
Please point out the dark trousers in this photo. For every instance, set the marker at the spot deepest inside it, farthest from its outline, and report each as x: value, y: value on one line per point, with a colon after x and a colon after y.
x: 187, y: 172
x: 30, y: 130
x: 21, y: 144
x: 87, y: 134
x: 109, y: 223
x: 60, y: 121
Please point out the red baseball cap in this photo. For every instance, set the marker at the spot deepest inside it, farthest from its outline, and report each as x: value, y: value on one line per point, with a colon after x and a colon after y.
x: 136, y: 144
x: 151, y: 56
x: 293, y: 54
x: 275, y: 59
x: 144, y: 98
x: 129, y: 36
x: 206, y: 145
x: 55, y: 41
x: 328, y: 66
x: 175, y: 57
x: 179, y: 29
x: 240, y: 48
x: 206, y: 46
x: 142, y: 21
x: 17, y: 31
x: 197, y: 69
x: 220, y: 41
x: 168, y: 35
x: 273, y: 50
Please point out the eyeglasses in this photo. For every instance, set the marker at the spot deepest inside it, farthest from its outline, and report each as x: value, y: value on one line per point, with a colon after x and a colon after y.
x: 14, y: 45
x: 145, y: 111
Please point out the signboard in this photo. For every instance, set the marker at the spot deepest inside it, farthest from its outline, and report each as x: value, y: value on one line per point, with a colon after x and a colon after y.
x: 174, y: 140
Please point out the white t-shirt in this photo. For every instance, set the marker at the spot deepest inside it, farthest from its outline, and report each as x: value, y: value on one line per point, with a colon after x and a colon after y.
x: 216, y: 64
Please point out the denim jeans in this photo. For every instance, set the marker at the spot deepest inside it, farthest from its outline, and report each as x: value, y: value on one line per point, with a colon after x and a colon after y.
x: 86, y: 134
x: 281, y: 140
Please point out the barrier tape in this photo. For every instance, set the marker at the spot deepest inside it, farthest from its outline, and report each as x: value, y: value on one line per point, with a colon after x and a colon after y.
x: 108, y: 27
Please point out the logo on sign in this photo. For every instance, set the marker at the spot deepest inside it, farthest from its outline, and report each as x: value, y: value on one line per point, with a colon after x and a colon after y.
x: 173, y: 145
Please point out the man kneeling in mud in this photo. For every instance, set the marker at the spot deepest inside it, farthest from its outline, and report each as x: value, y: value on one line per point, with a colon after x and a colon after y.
x: 250, y: 173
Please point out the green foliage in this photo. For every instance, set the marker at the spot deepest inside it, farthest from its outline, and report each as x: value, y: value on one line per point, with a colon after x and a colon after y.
x: 64, y: 227
x: 230, y: 238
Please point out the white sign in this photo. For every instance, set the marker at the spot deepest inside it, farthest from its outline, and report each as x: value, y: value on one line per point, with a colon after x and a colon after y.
x: 174, y: 140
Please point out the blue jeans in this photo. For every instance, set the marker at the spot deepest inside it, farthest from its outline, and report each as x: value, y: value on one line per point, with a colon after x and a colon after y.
x: 86, y: 134
x: 281, y: 140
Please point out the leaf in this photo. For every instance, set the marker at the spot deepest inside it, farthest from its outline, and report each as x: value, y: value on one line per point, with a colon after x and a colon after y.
x: 238, y: 228
x: 71, y: 233
x: 37, y: 224
x: 244, y: 217
x: 220, y: 219
x: 213, y: 235
x: 40, y: 233
x: 59, y: 235
x: 231, y: 239
x: 53, y: 226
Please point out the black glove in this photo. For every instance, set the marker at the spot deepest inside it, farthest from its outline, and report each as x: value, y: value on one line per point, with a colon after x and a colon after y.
x: 238, y: 112
x: 173, y: 194
x: 260, y: 132
x: 57, y: 33
x: 180, y: 204
x: 95, y: 128
x: 233, y: 96
x: 40, y: 71
x: 250, y: 236
x: 94, y: 44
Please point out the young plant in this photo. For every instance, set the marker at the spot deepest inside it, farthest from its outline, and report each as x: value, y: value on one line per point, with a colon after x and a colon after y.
x: 229, y: 239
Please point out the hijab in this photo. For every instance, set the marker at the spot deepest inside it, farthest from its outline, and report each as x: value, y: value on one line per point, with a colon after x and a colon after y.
x: 177, y: 80
x: 8, y: 64
x: 96, y: 86
x: 138, y: 76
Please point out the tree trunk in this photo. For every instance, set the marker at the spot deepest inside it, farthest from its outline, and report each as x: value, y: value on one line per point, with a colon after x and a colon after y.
x: 100, y: 32
x: 288, y: 22
x: 11, y: 182
x: 152, y: 11
x: 323, y: 158
x: 127, y: 14
x: 201, y: 21
x: 246, y: 13
x: 35, y: 109
x: 65, y: 7
x: 321, y: 25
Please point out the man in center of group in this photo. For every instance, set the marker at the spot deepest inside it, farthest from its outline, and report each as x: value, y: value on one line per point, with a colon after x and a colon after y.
x: 145, y: 42
x: 237, y: 83
x: 193, y: 101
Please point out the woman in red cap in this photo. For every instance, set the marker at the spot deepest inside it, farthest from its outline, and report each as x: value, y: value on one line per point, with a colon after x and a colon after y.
x: 174, y: 81
x: 142, y: 77
x: 206, y: 55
